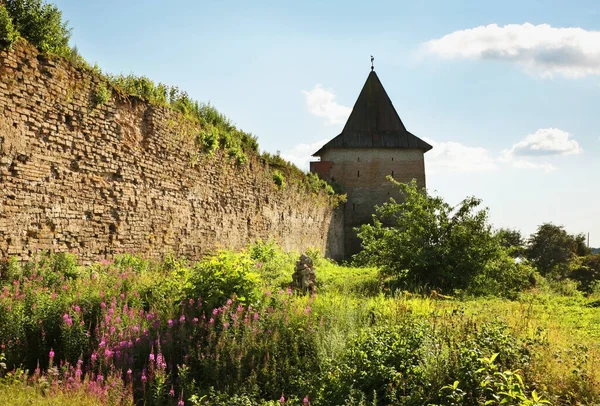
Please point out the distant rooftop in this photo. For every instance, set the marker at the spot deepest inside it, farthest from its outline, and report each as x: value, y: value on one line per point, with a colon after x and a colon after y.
x: 374, y: 123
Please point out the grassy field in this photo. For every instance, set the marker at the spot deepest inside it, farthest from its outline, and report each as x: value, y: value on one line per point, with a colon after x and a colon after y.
x: 228, y: 331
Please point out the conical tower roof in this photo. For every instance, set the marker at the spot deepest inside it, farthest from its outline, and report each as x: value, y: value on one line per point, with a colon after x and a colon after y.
x: 374, y: 123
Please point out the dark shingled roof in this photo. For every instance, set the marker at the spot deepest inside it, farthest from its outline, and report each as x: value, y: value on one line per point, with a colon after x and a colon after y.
x: 374, y: 123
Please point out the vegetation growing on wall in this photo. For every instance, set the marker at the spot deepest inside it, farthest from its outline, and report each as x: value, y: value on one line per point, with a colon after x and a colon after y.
x: 42, y: 25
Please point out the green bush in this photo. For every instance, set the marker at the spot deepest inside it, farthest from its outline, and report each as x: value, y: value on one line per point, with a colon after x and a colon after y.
x: 502, y: 276
x: 41, y: 24
x: 385, y: 362
x: 279, y: 179
x: 426, y: 242
x: 587, y: 272
x: 102, y: 95
x: 8, y: 33
x: 223, y: 276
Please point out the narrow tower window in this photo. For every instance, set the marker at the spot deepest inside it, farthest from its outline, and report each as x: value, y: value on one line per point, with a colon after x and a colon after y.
x: 353, y: 206
x: 358, y: 159
x: 358, y: 174
x: 392, y: 173
x: 392, y: 158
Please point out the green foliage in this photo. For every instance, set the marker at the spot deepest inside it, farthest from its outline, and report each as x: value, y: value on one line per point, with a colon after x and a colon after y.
x: 315, y: 184
x: 425, y: 241
x: 279, y: 179
x: 102, y: 95
x: 222, y: 277
x: 212, y: 325
x: 551, y: 250
x: 587, y: 272
x: 502, y: 276
x: 385, y: 362
x: 511, y: 241
x: 41, y: 24
x: 8, y: 33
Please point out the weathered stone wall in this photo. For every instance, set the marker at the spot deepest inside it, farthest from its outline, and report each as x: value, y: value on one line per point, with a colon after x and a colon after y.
x: 125, y: 176
x: 363, y: 173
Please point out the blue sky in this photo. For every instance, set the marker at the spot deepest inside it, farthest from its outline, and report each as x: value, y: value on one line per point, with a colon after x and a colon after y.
x: 507, y: 92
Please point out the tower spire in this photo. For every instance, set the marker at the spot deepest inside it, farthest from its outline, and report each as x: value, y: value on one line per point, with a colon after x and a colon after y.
x: 372, y: 59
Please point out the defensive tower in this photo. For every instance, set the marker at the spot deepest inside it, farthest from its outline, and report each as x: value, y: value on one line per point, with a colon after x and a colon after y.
x: 373, y: 144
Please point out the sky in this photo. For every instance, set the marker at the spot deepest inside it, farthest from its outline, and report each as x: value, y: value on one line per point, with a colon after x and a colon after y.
x: 508, y: 93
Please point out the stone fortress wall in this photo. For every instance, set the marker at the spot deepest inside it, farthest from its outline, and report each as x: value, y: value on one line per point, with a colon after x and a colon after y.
x: 124, y: 177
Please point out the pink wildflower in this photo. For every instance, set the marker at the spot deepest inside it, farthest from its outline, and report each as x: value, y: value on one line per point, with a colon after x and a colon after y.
x: 51, y: 354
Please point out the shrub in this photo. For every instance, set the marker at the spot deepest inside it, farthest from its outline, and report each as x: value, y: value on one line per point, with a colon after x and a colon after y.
x: 102, y: 95
x: 41, y: 24
x: 502, y: 276
x: 425, y: 241
x: 8, y: 33
x: 385, y: 362
x: 222, y: 276
x: 279, y: 179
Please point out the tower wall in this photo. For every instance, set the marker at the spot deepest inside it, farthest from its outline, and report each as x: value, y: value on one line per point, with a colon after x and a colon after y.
x: 362, y: 173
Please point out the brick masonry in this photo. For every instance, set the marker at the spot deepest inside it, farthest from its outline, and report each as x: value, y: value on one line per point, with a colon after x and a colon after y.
x: 125, y: 176
x: 363, y: 174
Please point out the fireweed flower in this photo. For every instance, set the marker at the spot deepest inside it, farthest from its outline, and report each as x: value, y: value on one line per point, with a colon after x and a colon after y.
x: 151, y: 357
x: 305, y: 401
x: 180, y: 403
x: 182, y: 319
x: 229, y: 302
x: 51, y: 354
x: 195, y: 320
x: 282, y: 399
x: 172, y: 392
x: 170, y: 322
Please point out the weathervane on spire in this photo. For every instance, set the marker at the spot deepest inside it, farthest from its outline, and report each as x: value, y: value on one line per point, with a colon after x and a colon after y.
x: 372, y: 59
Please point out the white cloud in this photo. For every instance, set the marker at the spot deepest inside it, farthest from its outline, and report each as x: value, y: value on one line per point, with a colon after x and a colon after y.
x: 541, y: 49
x: 300, y: 154
x: 546, y: 141
x: 321, y: 103
x: 523, y: 164
x: 455, y: 157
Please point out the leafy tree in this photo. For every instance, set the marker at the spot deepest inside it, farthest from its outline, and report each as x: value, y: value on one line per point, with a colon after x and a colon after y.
x: 41, y: 24
x: 551, y: 249
x: 511, y: 240
x: 8, y: 34
x: 424, y: 240
x: 587, y: 272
